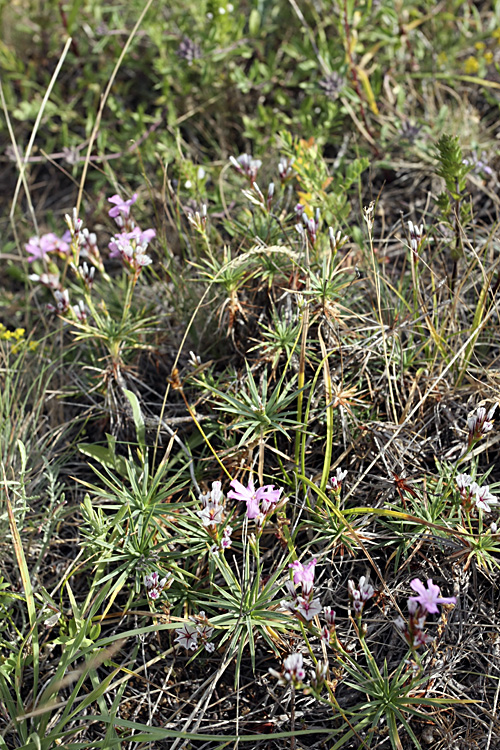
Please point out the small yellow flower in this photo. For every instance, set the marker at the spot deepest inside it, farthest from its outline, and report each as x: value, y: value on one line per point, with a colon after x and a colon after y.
x: 496, y: 34
x: 471, y: 65
x: 480, y: 46
x: 442, y: 58
x: 488, y: 58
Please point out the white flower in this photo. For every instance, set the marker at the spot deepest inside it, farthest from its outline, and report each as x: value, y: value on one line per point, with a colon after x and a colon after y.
x: 484, y: 498
x: 211, y: 515
x: 293, y: 668
x: 215, y: 496
x: 308, y: 609
x: 336, y: 481
x: 329, y: 615
x: 187, y: 636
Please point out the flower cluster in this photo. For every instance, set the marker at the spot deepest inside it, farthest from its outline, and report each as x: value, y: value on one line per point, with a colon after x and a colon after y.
x: 480, y: 424
x: 83, y: 242
x: 257, y: 197
x: 418, y: 608
x: 247, y: 166
x: 191, y: 636
x: 154, y: 585
x: 479, y: 165
x: 131, y: 243
x: 198, y: 219
x: 292, y: 671
x: 473, y: 495
x: 212, y: 516
x: 304, y: 605
x: 336, y: 481
x: 336, y: 239
x: 285, y: 169
x: 310, y: 225
x: 261, y: 503
x: 77, y: 241
x: 62, y: 302
x: 328, y: 630
x: 16, y: 338
x: 332, y: 85
x: 188, y: 50
x: 416, y: 236
x: 359, y: 595
x: 39, y: 248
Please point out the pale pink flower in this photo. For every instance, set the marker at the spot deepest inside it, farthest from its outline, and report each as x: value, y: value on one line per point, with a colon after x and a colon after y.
x: 304, y: 574
x: 80, y: 311
x: 246, y: 165
x: 214, y: 496
x: 39, y: 248
x: 294, y: 668
x: 253, y: 497
x: 154, y: 585
x: 429, y: 597
x: 329, y: 615
x: 360, y: 595
x: 62, y: 302
x: 50, y: 280
x: 121, y: 207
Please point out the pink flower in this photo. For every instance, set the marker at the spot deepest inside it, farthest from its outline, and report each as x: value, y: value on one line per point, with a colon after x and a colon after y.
x: 121, y: 206
x: 154, y: 586
x: 211, y: 515
x: 252, y: 497
x: 304, y: 574
x: 38, y: 248
x: 247, y: 495
x: 429, y: 597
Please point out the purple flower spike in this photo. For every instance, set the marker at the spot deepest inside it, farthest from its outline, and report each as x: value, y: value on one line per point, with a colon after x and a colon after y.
x: 429, y: 597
